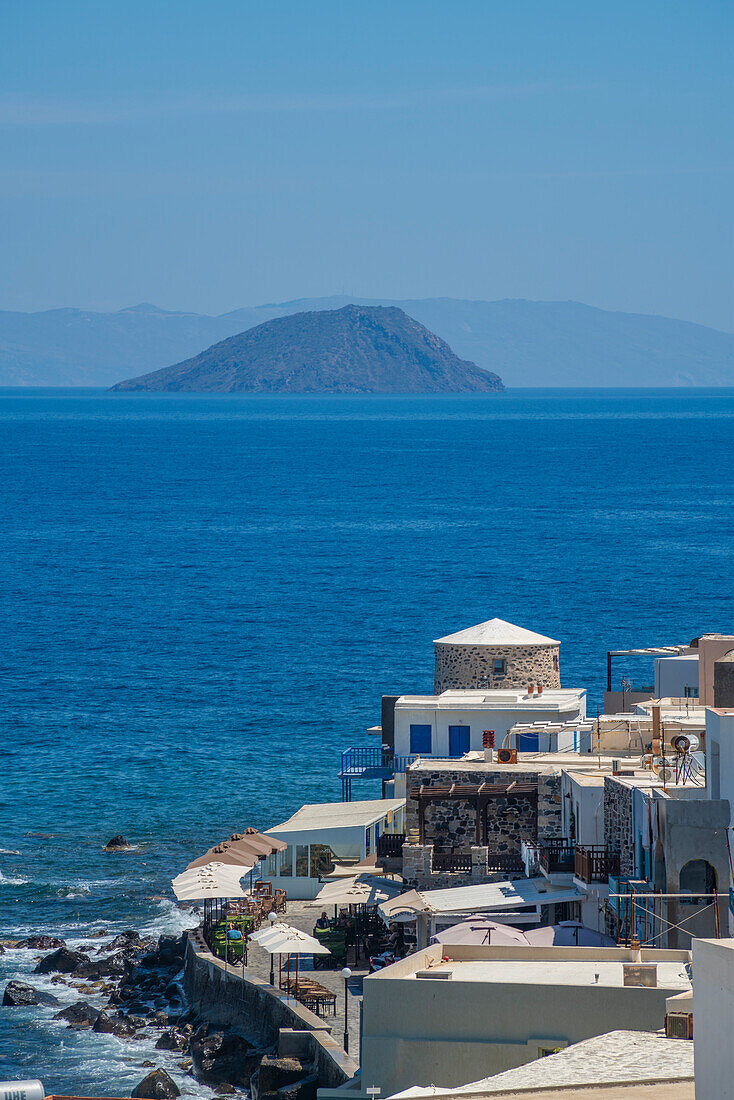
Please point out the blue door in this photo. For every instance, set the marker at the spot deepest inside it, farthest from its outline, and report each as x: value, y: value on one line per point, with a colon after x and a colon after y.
x: 458, y: 740
x: 527, y: 742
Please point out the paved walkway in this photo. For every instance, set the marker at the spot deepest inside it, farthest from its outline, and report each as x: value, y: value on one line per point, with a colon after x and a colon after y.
x: 258, y: 963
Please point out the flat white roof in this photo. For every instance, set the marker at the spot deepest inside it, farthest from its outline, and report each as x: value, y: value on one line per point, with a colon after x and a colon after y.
x: 336, y: 815
x: 497, y: 699
x: 497, y: 632
x: 562, y: 972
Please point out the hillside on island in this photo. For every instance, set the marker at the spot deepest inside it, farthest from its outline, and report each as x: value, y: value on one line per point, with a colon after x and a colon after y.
x: 355, y: 349
x: 527, y: 343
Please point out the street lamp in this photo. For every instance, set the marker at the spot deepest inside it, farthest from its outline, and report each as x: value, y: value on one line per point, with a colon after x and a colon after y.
x: 272, y: 918
x: 346, y: 975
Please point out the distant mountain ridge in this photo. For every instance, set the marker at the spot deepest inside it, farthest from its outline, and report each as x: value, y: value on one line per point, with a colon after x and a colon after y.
x: 355, y: 349
x: 527, y: 343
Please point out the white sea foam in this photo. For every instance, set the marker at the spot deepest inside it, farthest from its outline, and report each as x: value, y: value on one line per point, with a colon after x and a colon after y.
x: 10, y: 852
x: 171, y: 920
x: 13, y: 880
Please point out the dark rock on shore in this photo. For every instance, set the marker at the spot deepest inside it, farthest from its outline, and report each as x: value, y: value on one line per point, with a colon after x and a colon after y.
x: 20, y: 995
x: 172, y: 1040
x: 42, y: 943
x: 131, y: 938
x: 80, y: 1014
x: 223, y: 1056
x: 284, y: 1079
x: 117, y: 844
x: 121, y: 1026
x: 158, y: 1085
x: 62, y: 961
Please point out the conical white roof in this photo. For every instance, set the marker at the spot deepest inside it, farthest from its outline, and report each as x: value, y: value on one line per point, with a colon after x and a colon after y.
x: 497, y: 632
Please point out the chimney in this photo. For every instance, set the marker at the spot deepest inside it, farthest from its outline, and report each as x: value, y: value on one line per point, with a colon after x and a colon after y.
x: 540, y: 689
x: 531, y: 689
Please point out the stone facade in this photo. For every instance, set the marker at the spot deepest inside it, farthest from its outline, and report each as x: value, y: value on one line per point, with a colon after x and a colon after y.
x: 419, y: 874
x: 618, y: 823
x: 451, y: 824
x: 464, y: 667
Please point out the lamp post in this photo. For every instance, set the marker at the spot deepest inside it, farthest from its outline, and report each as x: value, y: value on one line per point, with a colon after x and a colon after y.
x: 346, y: 975
x: 272, y: 918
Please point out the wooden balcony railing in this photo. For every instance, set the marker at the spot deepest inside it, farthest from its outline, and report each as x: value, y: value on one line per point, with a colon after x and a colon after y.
x: 452, y: 861
x: 505, y: 862
x: 557, y: 855
x: 594, y: 863
x: 390, y: 846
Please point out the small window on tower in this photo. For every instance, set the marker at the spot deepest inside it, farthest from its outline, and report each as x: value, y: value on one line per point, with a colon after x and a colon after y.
x: 500, y: 666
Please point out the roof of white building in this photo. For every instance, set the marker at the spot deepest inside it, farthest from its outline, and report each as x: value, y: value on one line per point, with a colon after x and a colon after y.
x: 497, y: 632
x: 552, y: 699
x: 618, y: 1057
x: 492, y: 896
x: 338, y: 815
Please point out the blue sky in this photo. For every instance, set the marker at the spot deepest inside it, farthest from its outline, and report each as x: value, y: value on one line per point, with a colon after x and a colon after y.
x: 212, y: 155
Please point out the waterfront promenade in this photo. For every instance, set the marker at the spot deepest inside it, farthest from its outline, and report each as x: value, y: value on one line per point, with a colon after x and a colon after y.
x: 244, y: 998
x: 258, y: 963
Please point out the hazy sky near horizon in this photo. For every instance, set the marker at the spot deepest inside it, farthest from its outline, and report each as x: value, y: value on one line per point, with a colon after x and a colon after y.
x: 210, y: 156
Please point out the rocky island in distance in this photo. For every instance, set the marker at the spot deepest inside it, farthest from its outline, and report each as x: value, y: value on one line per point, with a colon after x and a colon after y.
x: 355, y: 349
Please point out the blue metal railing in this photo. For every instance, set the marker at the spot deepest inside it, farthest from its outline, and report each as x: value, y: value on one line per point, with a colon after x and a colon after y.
x: 373, y: 761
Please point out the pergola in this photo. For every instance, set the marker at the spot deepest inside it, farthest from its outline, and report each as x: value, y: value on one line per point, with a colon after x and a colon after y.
x: 479, y: 794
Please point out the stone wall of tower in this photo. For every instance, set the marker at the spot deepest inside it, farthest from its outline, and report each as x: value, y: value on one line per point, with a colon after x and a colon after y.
x: 464, y: 667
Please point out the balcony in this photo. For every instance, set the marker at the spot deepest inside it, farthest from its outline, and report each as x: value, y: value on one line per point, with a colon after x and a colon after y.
x: 557, y: 856
x: 505, y: 863
x: 594, y: 863
x: 370, y: 762
x: 390, y: 846
x: 452, y: 861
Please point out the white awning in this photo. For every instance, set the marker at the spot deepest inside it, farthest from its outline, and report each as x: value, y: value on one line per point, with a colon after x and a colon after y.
x: 284, y: 939
x: 359, y: 890
x: 213, y: 880
x: 490, y: 897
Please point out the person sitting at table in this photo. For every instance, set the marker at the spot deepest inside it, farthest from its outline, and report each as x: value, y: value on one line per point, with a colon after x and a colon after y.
x: 344, y: 921
x: 323, y: 921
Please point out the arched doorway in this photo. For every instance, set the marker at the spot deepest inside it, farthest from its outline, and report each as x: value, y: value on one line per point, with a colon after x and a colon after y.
x: 696, y: 880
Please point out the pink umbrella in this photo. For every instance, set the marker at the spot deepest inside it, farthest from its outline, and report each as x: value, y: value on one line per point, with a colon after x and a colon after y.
x: 479, y: 930
x: 568, y: 933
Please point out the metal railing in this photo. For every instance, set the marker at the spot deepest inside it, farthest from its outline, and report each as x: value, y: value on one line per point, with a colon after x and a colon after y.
x: 557, y: 855
x: 452, y: 861
x: 594, y: 863
x: 373, y: 758
x: 390, y: 845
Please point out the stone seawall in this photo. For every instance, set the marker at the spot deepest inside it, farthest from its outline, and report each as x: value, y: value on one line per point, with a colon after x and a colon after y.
x: 258, y: 1012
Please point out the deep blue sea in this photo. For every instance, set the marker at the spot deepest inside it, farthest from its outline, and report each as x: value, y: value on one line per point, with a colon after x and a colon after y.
x: 203, y: 599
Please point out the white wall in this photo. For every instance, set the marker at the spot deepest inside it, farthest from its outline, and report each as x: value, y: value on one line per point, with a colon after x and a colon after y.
x: 713, y: 1012
x: 672, y: 674
x: 478, y: 719
x: 720, y: 755
x: 588, y: 807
